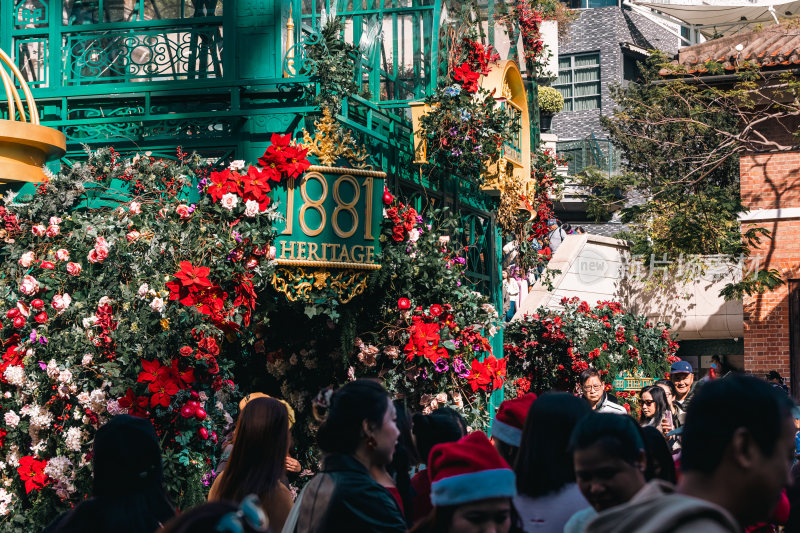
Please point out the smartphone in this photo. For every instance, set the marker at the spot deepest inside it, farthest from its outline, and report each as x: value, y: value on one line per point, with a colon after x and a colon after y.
x: 668, y: 417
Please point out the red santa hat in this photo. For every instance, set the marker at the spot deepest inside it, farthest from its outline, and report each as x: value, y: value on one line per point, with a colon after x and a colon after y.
x: 510, y: 419
x: 469, y: 470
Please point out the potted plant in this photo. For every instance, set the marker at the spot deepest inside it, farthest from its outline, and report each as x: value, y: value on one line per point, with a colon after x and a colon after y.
x: 550, y: 102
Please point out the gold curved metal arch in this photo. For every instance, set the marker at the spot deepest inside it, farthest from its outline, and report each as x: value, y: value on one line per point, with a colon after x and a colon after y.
x: 12, y: 95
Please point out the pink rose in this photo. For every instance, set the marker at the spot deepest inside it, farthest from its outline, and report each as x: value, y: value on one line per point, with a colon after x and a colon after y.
x: 62, y: 254
x: 27, y: 259
x: 183, y: 211
x: 52, y: 231
x: 74, y: 269
x: 229, y: 201
x: 97, y: 255
x: 100, y: 242
x: 272, y: 252
x: 29, y: 285
x: 39, y: 230
x: 61, y: 302
x: 133, y: 235
x: 252, y: 263
x: 55, y: 221
x: 135, y: 208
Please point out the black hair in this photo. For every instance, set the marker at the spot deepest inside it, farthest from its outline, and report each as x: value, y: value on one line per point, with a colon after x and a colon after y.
x: 405, y: 456
x: 203, y: 519
x: 441, y: 519
x: 670, y: 385
x: 659, y: 458
x: 660, y: 399
x: 567, y: 227
x: 544, y: 463
x: 434, y: 429
x: 357, y: 401
x: 616, y: 434
x: 580, y: 229
x: 588, y: 373
x: 456, y: 416
x: 128, y: 486
x: 722, y: 406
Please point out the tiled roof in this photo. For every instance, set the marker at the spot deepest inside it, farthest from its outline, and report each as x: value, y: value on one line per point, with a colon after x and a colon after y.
x: 776, y: 47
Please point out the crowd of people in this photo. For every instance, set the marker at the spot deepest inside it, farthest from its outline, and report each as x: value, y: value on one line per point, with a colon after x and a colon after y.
x: 710, y: 458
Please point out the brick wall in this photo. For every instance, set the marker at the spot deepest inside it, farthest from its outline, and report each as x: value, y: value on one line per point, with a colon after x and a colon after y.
x: 771, y: 181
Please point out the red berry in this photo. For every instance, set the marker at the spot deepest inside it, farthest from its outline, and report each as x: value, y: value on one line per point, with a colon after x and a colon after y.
x: 203, y: 433
x: 200, y: 413
x: 37, y: 303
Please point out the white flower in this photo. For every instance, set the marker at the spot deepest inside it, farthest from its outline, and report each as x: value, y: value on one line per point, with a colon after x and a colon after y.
x: 29, y: 285
x: 40, y: 418
x: 15, y: 375
x: 87, y: 359
x: 105, y: 300
x: 52, y: 369
x: 11, y: 418
x: 90, y: 321
x: 229, y: 201
x: 55, y: 221
x: 142, y: 291
x: 114, y: 408
x: 157, y: 305
x: 413, y: 235
x: 65, y: 376
x: 441, y: 397
x: 135, y: 208
x: 5, y: 501
x: 74, y: 439
x: 27, y: 259
x: 251, y: 208
x: 237, y: 164
x: 61, y: 302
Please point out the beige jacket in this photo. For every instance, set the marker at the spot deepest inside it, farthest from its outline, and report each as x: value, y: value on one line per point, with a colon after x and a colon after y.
x: 657, y: 508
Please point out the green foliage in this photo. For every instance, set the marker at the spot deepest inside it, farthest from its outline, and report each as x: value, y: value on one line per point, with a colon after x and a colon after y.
x: 550, y: 100
x: 335, y: 68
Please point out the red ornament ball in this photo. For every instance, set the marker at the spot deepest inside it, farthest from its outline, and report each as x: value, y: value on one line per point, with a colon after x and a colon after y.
x: 203, y: 433
x: 200, y: 413
x: 388, y: 198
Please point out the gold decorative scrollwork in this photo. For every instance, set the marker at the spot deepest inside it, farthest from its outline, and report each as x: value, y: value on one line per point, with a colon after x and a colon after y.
x: 299, y: 284
x: 329, y: 143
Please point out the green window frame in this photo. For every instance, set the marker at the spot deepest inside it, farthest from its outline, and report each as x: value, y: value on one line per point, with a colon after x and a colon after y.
x: 579, y: 81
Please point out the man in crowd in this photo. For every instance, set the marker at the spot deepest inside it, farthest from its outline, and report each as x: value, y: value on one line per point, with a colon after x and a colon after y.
x: 735, y: 464
x: 556, y: 234
x: 682, y: 377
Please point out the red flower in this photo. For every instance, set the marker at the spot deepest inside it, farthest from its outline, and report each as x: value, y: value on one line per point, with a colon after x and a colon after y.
x: 424, y: 342
x: 219, y: 184
x: 404, y: 303
x: 467, y: 77
x: 153, y: 371
x: 135, y: 406
x: 41, y: 318
x: 435, y: 310
x: 163, y: 390
x: 31, y: 470
x: 193, y: 277
x: 398, y: 233
x: 491, y: 371
x: 295, y: 163
x: 186, y: 351
x: 184, y: 377
x: 209, y: 344
x: 47, y: 265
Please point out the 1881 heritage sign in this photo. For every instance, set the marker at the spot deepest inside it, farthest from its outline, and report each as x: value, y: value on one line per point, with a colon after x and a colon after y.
x: 331, y: 220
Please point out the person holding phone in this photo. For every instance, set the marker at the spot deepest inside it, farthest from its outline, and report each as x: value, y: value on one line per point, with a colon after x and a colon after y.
x: 655, y: 410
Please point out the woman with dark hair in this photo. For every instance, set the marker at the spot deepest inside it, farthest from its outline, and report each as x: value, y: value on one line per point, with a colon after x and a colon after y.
x: 358, y: 435
x: 548, y: 495
x: 671, y: 392
x: 659, y: 457
x: 128, y: 488
x: 395, y: 477
x: 655, y: 411
x: 257, y: 464
x: 429, y: 430
x: 472, y: 489
x: 610, y: 461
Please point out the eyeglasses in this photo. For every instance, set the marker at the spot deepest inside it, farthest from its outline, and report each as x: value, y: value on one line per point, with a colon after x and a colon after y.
x: 593, y: 387
x: 648, y: 403
x: 251, y: 512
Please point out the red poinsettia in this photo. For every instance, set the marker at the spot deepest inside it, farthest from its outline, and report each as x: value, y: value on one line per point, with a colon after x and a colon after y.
x: 424, y: 342
x: 468, y: 77
x: 295, y: 163
x: 163, y: 390
x: 31, y: 470
x: 153, y: 371
x: 184, y: 377
x: 219, y: 184
x: 136, y: 406
x: 491, y: 371
x: 189, y: 280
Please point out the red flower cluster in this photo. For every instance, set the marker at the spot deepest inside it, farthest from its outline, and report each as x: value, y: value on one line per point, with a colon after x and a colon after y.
x: 424, y: 341
x: 251, y: 186
x: 31, y: 471
x: 490, y: 371
x: 164, y: 381
x: 467, y: 77
x: 284, y: 158
x: 192, y: 288
x: 529, y: 22
x: 105, y: 324
x: 476, y: 64
x: 523, y: 385
x: 404, y: 218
